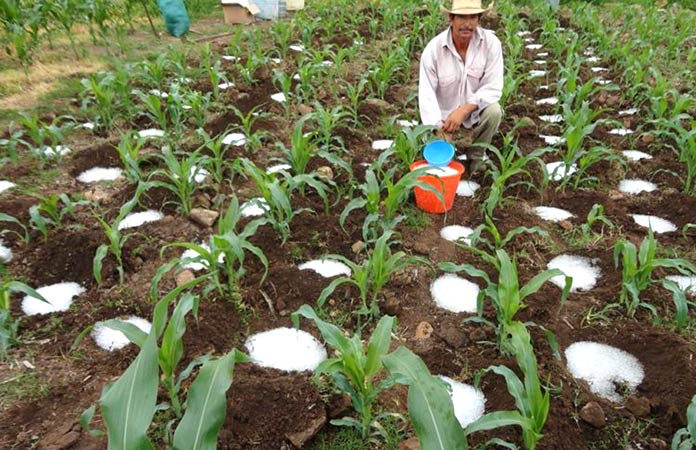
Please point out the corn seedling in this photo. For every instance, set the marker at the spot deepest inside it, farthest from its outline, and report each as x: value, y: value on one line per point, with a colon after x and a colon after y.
x: 327, y: 121
x: 354, y: 94
x: 685, y: 438
x: 129, y: 152
x: 506, y: 295
x: 8, y: 324
x: 253, y: 138
x: 409, y: 142
x: 371, y: 275
x: 637, y: 266
x: 302, y: 148
x: 283, y: 81
x: 50, y: 213
x: 179, y: 176
x: 353, y: 370
x: 216, y: 163
x: 24, y: 235
x: 531, y: 400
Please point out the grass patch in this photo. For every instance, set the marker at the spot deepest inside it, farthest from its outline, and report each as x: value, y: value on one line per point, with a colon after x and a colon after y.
x: 23, y: 387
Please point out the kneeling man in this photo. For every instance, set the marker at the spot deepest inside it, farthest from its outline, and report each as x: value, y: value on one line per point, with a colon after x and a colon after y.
x: 461, y: 77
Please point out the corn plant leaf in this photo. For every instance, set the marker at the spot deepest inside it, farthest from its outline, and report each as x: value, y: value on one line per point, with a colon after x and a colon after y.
x: 129, y: 404
x: 379, y: 344
x: 133, y: 333
x: 681, y: 304
x: 206, y: 405
x: 429, y: 402
x: 498, y: 419
x: 98, y: 261
x: 172, y: 347
x: 691, y: 414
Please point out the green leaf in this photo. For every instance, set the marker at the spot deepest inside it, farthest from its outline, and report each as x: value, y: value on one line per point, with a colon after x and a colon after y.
x: 98, y: 260
x: 379, y: 344
x: 498, y: 419
x: 206, y: 406
x: 129, y: 404
x: 429, y: 402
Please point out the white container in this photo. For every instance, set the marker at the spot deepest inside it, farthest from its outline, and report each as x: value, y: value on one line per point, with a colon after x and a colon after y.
x: 294, y: 5
x: 271, y: 9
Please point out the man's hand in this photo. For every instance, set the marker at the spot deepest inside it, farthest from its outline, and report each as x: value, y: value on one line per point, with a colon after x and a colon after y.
x: 457, y: 117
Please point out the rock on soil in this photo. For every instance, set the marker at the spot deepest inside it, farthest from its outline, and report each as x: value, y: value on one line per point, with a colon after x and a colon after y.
x: 638, y: 406
x: 204, y: 217
x: 593, y: 414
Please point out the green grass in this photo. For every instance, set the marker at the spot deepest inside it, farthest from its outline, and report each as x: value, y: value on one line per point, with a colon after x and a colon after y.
x: 623, y: 433
x: 23, y: 387
x: 338, y: 438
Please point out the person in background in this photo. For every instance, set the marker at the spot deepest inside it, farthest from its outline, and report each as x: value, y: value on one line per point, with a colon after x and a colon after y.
x: 461, y: 78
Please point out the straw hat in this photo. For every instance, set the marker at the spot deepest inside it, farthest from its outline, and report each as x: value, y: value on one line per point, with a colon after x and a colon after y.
x: 464, y: 7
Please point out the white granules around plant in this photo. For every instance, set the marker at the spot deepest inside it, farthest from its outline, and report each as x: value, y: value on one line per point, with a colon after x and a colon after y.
x: 536, y: 73
x: 456, y: 232
x: 469, y: 402
x: 658, y: 224
x: 226, y: 85
x: 254, y: 207
x: 636, y: 155
x: 297, y: 48
x: 581, y: 269
x: 59, y: 150
x: 636, y: 186
x: 628, y: 112
x: 109, y: 339
x: 382, y: 144
x: 552, y: 140
x: 467, y: 188
x: 553, y: 118
x: 621, y: 131
x: 454, y: 293
x: 547, y: 101
x: 552, y: 214
x: 133, y: 220
x: 5, y: 253
x: 195, y: 265
x: 236, y: 139
x: 604, y: 368
x: 96, y: 174
x: 286, y: 349
x: 533, y: 46
x: 151, y: 132
x: 279, y: 97
x: 327, y: 268
x: 277, y: 168
x: 407, y: 123
x: 58, y: 298
x: 5, y: 185
x: 684, y: 282
x: 558, y: 170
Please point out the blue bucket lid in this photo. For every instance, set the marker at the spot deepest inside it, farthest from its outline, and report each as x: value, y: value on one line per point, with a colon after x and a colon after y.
x: 438, y: 153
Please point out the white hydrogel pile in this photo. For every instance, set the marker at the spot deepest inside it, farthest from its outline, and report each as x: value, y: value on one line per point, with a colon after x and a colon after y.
x: 469, y: 402
x: 455, y: 232
x: 454, y: 293
x: 467, y: 188
x: 628, y: 112
x: 553, y: 118
x: 534, y: 46
x: 685, y: 283
x: 133, y: 220
x: 151, y: 132
x: 226, y: 85
x: 5, y: 185
x: 59, y: 297
x: 635, y: 155
x: 286, y: 349
x: 110, y: 339
x: 254, y: 207
x: 636, y: 186
x: 196, y: 266
x: 237, y: 139
x: 621, y: 131
x: 96, y: 174
x: 536, y: 73
x: 279, y: 97
x: 443, y: 171
x: 327, y: 268
x: 278, y: 168
x: 547, y: 101
x: 579, y: 268
x: 59, y: 150
x: 552, y: 214
x: 604, y: 367
x: 382, y: 144
x: 5, y: 253
x: 558, y: 170
x: 552, y: 140
x: 658, y: 224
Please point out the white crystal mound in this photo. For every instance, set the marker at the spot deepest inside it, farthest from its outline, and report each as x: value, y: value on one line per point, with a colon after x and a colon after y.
x: 5, y: 185
x: 151, y: 132
x: 454, y: 293
x: 59, y: 297
x: 5, y: 253
x: 636, y: 186
x: 547, y: 101
x: 456, y: 232
x: 382, y: 144
x: 685, y: 283
x: 469, y: 402
x: 658, y: 224
x: 109, y: 339
x: 237, y: 139
x: 327, y: 268
x: 96, y: 174
x: 604, y: 367
x: 467, y: 188
x: 137, y: 219
x: 558, y: 170
x: 552, y: 214
x: 635, y: 155
x: 581, y: 269
x: 254, y: 207
x: 552, y: 118
x: 285, y: 349
x: 279, y: 97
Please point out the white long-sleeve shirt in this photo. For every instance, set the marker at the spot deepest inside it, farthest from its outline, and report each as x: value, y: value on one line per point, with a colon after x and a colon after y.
x: 446, y: 82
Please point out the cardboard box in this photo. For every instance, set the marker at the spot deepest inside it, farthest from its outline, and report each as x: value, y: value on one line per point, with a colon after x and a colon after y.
x: 239, y: 11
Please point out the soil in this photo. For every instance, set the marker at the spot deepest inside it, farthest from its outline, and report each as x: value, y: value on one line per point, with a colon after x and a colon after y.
x: 266, y: 406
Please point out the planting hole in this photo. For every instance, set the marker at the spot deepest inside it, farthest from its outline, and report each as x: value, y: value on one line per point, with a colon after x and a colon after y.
x: 109, y: 339
x: 558, y: 170
x: 133, y: 220
x: 456, y: 232
x: 382, y: 144
x: 635, y: 155
x: 254, y: 207
x: 151, y: 132
x: 5, y: 185
x: 636, y: 186
x: 96, y: 174
x: 469, y: 402
x: 604, y: 368
x: 286, y: 349
x: 658, y: 224
x: 454, y: 293
x: 467, y: 188
x: 581, y: 269
x: 59, y: 297
x: 327, y: 268
x: 552, y: 214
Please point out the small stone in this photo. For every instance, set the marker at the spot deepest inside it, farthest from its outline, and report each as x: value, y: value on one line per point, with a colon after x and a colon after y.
x: 376, y: 102
x: 566, y: 225
x: 326, y: 172
x: 638, y: 406
x: 593, y: 414
x: 647, y: 138
x: 421, y: 248
x: 392, y: 304
x: 184, y: 277
x: 616, y: 195
x: 280, y: 304
x: 205, y: 217
x: 300, y: 438
x: 62, y: 438
x: 613, y: 100
x: 424, y: 330
x: 479, y: 334
x: 357, y: 247
x: 96, y: 194
x: 305, y: 109
x: 452, y: 336
x: 409, y: 444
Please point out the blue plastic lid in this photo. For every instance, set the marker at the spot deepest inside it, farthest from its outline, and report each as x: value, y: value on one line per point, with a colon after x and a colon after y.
x: 438, y: 153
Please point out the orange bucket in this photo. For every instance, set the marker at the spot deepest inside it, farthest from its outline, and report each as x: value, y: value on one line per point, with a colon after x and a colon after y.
x: 428, y: 201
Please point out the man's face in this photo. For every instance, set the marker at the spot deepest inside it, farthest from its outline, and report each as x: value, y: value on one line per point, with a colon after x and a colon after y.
x: 464, y: 25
